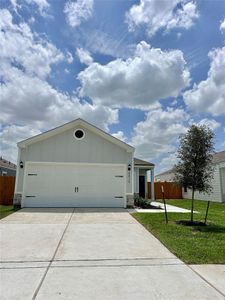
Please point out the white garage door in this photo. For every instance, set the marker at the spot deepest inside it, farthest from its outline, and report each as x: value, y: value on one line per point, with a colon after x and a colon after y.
x: 74, y: 185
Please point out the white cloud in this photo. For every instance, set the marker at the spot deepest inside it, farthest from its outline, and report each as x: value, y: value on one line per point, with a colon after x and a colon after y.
x: 41, y: 4
x: 120, y: 135
x: 99, y: 41
x: 165, y: 15
x: 222, y: 25
x: 10, y: 135
x: 26, y: 61
x: 167, y: 162
x: 27, y: 100
x: 211, y: 123
x: 69, y: 57
x: 150, y: 75
x: 158, y: 133
x: 78, y: 11
x: 26, y: 50
x: 209, y: 95
x: 84, y: 56
x: 32, y: 100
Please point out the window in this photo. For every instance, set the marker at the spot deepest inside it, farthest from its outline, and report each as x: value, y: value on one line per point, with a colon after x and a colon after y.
x: 79, y: 134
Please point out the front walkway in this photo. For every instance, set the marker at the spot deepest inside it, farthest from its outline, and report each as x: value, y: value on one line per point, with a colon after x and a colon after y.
x: 90, y: 254
x: 169, y: 208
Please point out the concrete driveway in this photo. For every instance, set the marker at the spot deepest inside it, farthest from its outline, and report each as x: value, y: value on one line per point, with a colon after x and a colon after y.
x: 90, y: 254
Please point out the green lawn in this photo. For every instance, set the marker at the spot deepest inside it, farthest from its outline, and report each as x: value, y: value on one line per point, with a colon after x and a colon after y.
x: 193, y: 245
x: 6, y: 210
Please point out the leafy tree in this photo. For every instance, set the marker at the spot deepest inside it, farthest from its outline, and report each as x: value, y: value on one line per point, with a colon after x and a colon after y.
x: 195, y: 168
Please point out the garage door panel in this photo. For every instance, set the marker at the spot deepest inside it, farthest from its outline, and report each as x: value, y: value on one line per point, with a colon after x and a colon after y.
x: 54, y: 186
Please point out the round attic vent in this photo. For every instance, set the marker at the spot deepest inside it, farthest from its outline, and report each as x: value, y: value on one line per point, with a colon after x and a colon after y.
x: 79, y: 134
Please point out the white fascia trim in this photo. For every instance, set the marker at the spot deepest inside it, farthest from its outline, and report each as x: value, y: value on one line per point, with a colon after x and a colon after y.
x: 144, y: 167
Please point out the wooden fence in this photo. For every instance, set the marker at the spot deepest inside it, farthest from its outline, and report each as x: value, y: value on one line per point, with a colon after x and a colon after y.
x: 171, y: 189
x: 7, y: 185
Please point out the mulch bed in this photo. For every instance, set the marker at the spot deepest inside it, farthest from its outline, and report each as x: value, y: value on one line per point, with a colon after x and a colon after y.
x: 189, y: 223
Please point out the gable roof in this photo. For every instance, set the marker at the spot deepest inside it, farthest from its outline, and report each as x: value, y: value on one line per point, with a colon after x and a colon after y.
x: 70, y: 125
x: 170, y: 171
x: 140, y: 162
x: 7, y: 164
x: 219, y: 157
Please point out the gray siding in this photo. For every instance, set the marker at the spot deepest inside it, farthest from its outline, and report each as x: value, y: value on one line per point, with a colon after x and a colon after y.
x: 216, y: 195
x: 7, y: 171
x: 165, y: 177
x: 65, y: 148
x: 222, y: 172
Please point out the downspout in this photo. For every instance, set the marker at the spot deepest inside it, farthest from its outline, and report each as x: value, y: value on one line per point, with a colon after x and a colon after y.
x: 17, y: 168
x: 152, y: 185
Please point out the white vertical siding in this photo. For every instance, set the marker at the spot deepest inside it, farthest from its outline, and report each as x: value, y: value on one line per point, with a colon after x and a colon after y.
x: 216, y: 195
x: 64, y: 147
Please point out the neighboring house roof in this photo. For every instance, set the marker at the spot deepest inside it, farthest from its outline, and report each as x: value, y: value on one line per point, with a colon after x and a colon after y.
x: 170, y: 171
x: 70, y: 125
x: 7, y: 164
x: 219, y: 157
x: 140, y: 162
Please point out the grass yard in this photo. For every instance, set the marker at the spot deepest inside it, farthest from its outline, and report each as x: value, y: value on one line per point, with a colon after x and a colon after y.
x: 6, y: 210
x: 193, y: 245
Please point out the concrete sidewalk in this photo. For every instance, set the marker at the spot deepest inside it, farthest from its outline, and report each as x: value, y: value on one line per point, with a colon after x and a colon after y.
x: 214, y: 274
x: 90, y: 254
x: 169, y: 207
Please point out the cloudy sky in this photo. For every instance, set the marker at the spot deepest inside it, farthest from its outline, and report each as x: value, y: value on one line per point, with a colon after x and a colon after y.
x: 143, y: 70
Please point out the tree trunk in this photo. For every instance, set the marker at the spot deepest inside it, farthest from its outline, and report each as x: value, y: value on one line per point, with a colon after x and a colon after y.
x: 206, y: 213
x: 192, y: 205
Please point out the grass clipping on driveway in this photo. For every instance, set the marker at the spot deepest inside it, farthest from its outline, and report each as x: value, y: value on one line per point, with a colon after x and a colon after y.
x: 192, y: 244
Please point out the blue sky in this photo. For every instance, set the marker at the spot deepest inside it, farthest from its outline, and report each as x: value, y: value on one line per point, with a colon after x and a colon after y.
x: 142, y: 70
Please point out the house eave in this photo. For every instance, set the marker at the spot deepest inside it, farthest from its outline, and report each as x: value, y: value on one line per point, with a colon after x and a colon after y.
x: 67, y: 126
x: 144, y: 167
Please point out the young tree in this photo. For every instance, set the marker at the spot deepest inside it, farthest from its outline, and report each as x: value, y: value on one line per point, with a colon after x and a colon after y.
x: 195, y: 168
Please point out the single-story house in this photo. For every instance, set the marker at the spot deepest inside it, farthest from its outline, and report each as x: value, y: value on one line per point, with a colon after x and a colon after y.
x: 7, y: 168
x: 167, y: 176
x: 218, y: 182
x: 79, y: 165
